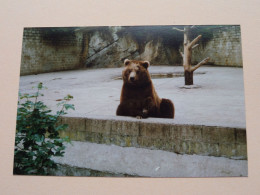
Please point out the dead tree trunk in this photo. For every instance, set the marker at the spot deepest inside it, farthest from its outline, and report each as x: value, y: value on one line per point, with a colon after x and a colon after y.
x: 187, y: 54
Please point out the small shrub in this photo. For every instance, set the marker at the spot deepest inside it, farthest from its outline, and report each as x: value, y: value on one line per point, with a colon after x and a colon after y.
x: 37, y: 134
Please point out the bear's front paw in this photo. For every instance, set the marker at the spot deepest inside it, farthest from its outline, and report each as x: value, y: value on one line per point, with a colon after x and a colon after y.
x: 145, y: 113
x: 139, y: 117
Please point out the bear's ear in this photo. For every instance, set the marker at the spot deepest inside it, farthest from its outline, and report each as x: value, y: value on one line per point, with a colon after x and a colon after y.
x: 126, y: 62
x: 146, y: 64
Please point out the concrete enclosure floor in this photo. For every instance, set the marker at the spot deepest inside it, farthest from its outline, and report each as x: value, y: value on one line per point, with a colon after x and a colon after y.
x: 218, y: 100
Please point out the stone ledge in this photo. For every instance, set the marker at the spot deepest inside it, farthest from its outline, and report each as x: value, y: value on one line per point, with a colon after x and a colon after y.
x: 181, y: 139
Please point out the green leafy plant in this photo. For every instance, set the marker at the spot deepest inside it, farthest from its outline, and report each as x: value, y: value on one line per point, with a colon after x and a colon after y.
x: 37, y: 137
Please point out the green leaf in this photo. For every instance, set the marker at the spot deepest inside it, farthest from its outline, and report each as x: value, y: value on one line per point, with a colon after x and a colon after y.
x: 62, y: 127
x: 69, y: 106
x: 68, y: 97
x: 39, y: 85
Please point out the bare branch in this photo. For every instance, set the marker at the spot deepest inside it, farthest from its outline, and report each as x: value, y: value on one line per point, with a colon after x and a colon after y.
x: 195, y: 41
x: 178, y: 29
x: 199, y: 64
x: 181, y: 53
x: 194, y: 46
x: 192, y: 26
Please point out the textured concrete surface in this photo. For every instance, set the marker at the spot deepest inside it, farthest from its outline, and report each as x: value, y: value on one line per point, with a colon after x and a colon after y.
x: 148, y: 163
x: 219, y: 100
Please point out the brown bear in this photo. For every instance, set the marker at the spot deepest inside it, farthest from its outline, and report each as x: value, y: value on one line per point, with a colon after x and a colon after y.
x: 138, y: 96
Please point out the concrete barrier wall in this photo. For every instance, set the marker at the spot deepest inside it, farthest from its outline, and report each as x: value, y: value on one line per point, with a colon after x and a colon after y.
x: 181, y: 139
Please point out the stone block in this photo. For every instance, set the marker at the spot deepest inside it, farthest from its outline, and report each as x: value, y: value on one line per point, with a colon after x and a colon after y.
x: 91, y: 137
x: 106, y: 140
x: 210, y: 134
x: 64, y: 134
x: 140, y: 141
x: 168, y: 144
x: 101, y: 138
x: 241, y: 151
x: 187, y: 132
x: 112, y: 139
x: 94, y: 137
x: 73, y: 135
x: 214, y: 149
x: 118, y: 140
x: 183, y: 148
x: 176, y: 132
x: 134, y: 142
x: 81, y: 136
x: 190, y: 147
x: 158, y: 143
x: 226, y: 135
x: 126, y: 141
x: 147, y: 142
x: 125, y: 128
x: 240, y: 136
x: 74, y: 123
x: 186, y: 147
x: 197, y: 147
x: 227, y: 150
x: 218, y: 135
x: 154, y: 130
x: 177, y: 146
x: 203, y: 149
x: 209, y: 149
x: 98, y: 126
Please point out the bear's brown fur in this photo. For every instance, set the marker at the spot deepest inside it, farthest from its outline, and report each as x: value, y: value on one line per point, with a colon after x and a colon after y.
x: 138, y: 96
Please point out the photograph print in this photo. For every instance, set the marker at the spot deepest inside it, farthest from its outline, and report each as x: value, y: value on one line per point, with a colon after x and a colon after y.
x: 131, y: 101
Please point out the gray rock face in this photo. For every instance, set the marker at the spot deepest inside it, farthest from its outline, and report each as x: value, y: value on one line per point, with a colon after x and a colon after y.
x: 108, y: 49
x: 97, y: 43
x: 152, y: 50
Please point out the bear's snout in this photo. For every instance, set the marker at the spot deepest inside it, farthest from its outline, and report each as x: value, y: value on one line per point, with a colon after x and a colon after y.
x: 132, y: 76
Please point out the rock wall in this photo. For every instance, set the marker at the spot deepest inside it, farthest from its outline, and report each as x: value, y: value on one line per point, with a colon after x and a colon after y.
x: 224, y: 48
x: 47, y: 52
x: 104, y: 48
x: 109, y: 46
x: 49, y: 49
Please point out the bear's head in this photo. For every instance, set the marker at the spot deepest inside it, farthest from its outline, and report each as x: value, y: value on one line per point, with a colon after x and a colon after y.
x: 136, y: 73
